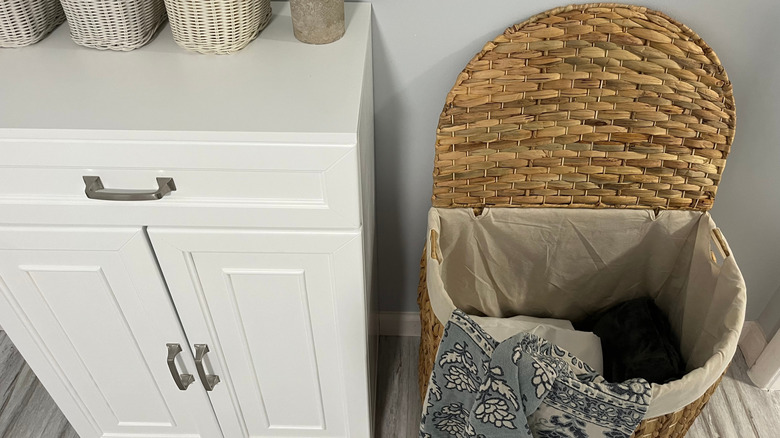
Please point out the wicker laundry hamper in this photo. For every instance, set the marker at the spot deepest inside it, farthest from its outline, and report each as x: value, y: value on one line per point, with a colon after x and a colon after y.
x: 25, y: 22
x: 120, y: 25
x: 599, y: 106
x: 217, y: 27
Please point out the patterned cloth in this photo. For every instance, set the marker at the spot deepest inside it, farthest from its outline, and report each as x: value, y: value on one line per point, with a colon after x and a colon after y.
x: 523, y: 387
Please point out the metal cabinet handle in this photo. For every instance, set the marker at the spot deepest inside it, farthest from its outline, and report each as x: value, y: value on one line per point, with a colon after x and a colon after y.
x: 182, y: 380
x: 95, y: 190
x: 209, y: 380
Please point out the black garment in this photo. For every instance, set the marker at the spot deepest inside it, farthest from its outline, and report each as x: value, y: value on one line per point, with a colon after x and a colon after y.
x: 637, y: 341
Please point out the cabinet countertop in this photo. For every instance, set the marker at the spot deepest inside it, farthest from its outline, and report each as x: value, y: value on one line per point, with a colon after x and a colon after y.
x: 274, y: 87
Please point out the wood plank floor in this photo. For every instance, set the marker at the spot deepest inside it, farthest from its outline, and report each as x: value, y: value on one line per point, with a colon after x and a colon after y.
x: 736, y: 410
x: 26, y: 410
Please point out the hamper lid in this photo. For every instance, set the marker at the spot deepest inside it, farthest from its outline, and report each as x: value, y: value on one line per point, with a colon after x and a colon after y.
x: 595, y: 105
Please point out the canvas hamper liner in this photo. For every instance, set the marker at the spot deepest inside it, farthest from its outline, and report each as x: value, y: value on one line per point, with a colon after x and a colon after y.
x: 590, y: 260
x: 615, y: 121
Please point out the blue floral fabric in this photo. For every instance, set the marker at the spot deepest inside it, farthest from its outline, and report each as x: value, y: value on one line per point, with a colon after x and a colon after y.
x: 524, y: 386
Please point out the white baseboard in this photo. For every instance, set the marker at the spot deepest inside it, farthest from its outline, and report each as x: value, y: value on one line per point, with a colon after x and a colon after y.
x: 752, y: 342
x: 399, y: 323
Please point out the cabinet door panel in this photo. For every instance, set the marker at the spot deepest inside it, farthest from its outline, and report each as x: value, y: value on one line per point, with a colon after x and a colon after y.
x: 89, y: 311
x: 66, y: 292
x: 268, y: 305
x: 271, y: 298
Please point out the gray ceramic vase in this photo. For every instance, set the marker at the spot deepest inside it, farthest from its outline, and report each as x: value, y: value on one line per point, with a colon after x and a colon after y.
x: 318, y: 21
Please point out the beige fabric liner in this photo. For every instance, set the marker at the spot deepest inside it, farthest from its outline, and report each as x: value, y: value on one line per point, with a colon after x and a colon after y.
x: 585, y: 345
x: 570, y: 263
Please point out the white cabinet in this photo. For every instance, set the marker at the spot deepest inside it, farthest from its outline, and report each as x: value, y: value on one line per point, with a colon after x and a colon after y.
x: 93, y: 307
x: 278, y: 312
x: 253, y: 254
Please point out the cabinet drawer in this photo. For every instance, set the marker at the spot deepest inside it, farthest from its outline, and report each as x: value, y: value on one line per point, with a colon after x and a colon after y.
x: 258, y: 185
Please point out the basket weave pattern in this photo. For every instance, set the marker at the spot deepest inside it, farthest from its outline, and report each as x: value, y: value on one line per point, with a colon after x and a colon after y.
x: 120, y: 25
x: 219, y: 27
x: 596, y: 105
x: 25, y: 22
x: 674, y: 425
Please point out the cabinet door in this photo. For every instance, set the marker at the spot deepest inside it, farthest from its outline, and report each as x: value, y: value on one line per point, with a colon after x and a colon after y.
x: 89, y: 311
x: 284, y: 316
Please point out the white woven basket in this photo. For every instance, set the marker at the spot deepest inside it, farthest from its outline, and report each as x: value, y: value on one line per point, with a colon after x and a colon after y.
x: 25, y: 22
x: 217, y: 26
x: 113, y: 24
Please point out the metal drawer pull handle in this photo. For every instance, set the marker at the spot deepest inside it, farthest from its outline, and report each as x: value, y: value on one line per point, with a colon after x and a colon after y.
x: 95, y: 190
x: 209, y: 380
x: 182, y: 380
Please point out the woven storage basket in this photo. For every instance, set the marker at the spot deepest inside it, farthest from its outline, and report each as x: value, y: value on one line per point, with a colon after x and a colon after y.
x: 25, y: 22
x: 120, y: 25
x: 217, y: 26
x: 584, y: 106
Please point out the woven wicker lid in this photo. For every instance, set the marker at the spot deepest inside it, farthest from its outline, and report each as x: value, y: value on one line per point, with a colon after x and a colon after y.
x: 596, y: 105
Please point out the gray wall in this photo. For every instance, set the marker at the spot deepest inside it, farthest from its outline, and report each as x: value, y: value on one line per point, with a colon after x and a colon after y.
x: 420, y: 46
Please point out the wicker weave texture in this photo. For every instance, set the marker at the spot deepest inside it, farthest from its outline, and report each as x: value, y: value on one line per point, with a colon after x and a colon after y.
x: 217, y: 26
x: 674, y: 425
x: 25, y: 22
x: 120, y: 25
x: 596, y: 105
